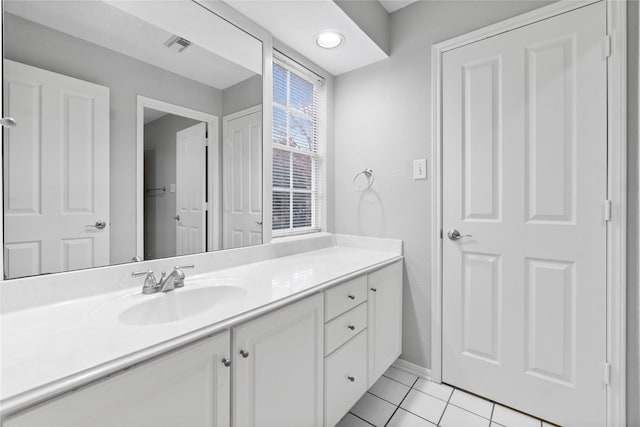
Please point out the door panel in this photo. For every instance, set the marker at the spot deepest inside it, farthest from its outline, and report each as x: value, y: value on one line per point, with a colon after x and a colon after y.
x: 242, y: 169
x: 524, y: 155
x: 190, y: 189
x: 57, y: 165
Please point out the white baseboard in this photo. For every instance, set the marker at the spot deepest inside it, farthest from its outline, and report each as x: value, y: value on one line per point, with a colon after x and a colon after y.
x: 412, y: 368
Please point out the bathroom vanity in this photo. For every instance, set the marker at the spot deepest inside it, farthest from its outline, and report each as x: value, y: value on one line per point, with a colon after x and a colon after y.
x: 288, y: 340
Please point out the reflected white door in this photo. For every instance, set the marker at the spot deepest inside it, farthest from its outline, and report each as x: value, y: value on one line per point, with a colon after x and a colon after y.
x: 190, y: 189
x: 242, y: 169
x: 524, y: 155
x: 56, y: 166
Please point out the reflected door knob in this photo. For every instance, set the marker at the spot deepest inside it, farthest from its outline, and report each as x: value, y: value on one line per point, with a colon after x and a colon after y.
x: 177, y: 217
x: 99, y: 225
x: 454, y: 235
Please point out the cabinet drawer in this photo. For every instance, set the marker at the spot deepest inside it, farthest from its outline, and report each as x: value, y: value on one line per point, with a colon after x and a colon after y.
x: 344, y: 327
x: 346, y: 364
x: 344, y: 297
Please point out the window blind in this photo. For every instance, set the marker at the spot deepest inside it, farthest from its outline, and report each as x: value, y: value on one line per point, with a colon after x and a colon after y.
x: 298, y: 149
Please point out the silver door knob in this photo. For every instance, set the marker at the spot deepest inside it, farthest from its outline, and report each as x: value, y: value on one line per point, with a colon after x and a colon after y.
x: 226, y: 362
x: 351, y: 378
x: 244, y: 353
x: 99, y: 225
x: 454, y: 235
x: 258, y: 222
x: 8, y: 122
x: 177, y: 217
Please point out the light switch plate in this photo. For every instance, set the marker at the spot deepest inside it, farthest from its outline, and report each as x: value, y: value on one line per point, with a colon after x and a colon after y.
x: 420, y: 169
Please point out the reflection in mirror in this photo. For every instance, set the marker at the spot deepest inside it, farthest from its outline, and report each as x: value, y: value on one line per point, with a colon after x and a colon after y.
x: 138, y: 133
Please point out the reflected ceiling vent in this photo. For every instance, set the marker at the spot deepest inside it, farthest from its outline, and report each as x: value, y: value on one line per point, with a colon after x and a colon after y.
x: 177, y: 43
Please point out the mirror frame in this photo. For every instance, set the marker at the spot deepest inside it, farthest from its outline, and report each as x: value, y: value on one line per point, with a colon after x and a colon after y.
x: 252, y: 29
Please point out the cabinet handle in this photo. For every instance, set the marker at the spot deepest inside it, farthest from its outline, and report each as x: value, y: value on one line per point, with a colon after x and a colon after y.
x: 226, y: 362
x: 244, y: 353
x: 350, y: 378
x: 350, y: 296
x: 353, y: 328
x: 374, y: 289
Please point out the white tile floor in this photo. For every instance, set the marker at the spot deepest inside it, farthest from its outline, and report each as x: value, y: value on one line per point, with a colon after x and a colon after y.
x: 400, y: 399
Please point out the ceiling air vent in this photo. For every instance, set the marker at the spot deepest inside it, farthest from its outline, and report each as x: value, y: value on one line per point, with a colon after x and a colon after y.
x: 177, y: 42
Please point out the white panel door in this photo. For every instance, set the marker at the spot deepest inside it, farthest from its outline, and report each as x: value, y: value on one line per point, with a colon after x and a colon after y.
x: 525, y: 157
x: 187, y: 387
x: 242, y: 181
x: 190, y: 189
x: 56, y: 163
x: 278, y: 367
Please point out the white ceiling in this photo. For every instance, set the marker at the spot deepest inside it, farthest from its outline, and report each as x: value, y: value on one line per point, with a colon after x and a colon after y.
x: 296, y: 23
x: 142, y: 27
x: 393, y: 5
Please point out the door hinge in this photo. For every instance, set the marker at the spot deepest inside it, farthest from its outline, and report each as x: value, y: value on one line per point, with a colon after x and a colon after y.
x: 606, y: 373
x: 607, y: 210
x: 441, y: 235
x: 206, y: 142
x: 606, y: 47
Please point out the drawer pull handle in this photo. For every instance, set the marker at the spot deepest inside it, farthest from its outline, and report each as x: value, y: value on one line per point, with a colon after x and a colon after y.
x: 244, y: 353
x: 353, y: 328
x: 350, y: 378
x: 374, y: 289
x: 226, y: 362
x: 352, y: 297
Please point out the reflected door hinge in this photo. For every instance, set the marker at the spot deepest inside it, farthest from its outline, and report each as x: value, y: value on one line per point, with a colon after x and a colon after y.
x: 607, y: 210
x: 606, y: 47
x: 606, y: 373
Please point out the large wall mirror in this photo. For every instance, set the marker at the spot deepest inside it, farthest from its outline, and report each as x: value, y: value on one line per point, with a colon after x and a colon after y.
x: 138, y: 136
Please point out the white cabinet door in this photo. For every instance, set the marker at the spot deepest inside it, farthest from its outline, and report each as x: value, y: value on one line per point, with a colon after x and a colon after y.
x: 278, y: 367
x: 188, y: 387
x: 345, y: 378
x: 385, y: 319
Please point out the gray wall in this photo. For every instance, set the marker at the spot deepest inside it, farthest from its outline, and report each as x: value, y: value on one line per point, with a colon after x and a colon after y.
x: 247, y: 93
x: 382, y: 115
x: 160, y: 171
x: 33, y: 44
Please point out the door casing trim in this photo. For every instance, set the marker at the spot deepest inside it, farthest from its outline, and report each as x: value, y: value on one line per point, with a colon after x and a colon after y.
x: 616, y: 187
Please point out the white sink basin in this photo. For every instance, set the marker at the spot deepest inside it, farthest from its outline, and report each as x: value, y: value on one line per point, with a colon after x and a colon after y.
x: 179, y: 304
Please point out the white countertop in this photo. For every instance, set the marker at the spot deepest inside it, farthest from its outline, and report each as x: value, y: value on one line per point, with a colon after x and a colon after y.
x: 49, y: 349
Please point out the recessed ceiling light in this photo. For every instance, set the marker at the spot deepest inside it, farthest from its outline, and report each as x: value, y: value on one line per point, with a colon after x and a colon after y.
x: 329, y: 39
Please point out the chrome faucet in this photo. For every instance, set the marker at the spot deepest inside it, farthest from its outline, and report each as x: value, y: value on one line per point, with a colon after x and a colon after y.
x: 167, y: 283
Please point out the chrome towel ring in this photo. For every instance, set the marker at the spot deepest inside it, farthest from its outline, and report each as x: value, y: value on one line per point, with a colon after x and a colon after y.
x: 368, y: 174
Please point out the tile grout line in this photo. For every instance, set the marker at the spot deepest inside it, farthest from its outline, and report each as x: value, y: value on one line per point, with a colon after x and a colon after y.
x: 446, y: 406
x: 359, y: 417
x: 493, y: 408
x: 402, y: 400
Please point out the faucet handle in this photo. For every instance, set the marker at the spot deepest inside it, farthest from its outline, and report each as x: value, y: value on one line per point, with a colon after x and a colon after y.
x: 178, y: 282
x: 150, y: 283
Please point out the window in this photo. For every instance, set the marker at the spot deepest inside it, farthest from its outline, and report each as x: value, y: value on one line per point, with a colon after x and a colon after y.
x: 298, y: 178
